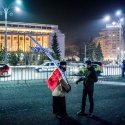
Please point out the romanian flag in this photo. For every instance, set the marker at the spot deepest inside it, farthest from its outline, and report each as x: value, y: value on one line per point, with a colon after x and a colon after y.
x: 53, y: 80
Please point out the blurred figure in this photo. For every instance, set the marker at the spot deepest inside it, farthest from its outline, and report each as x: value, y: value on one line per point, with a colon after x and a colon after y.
x: 123, y: 68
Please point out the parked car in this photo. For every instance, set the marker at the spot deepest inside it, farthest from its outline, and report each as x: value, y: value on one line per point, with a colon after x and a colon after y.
x: 100, y: 70
x: 74, y: 68
x: 47, y: 66
x: 5, y: 70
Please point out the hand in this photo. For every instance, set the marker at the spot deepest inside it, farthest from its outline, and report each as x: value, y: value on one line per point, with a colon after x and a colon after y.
x: 76, y: 82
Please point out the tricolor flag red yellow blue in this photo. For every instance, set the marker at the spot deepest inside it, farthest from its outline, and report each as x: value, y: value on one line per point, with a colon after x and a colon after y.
x: 53, y: 80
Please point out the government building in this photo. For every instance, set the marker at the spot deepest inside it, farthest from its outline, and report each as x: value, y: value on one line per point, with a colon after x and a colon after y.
x: 17, y: 36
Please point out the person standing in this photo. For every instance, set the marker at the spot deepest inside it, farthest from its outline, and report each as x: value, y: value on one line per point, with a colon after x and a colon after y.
x: 54, y: 83
x: 123, y: 68
x: 88, y: 89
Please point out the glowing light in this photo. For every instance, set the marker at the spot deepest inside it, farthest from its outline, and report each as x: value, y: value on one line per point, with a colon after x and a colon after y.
x: 17, y: 9
x: 118, y: 13
x: 122, y: 20
x: 107, y: 18
x: 19, y: 2
x: 113, y: 23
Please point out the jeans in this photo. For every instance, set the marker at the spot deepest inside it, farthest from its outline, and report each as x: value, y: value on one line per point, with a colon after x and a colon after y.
x: 59, y: 106
x: 88, y: 91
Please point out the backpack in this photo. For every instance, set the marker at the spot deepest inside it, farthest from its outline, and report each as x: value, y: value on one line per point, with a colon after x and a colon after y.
x: 95, y: 77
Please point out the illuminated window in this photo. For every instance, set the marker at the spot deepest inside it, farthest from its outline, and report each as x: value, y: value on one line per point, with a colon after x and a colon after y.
x: 21, y: 42
x: 38, y: 39
x: 21, y: 38
x: 8, y: 38
x: 49, y: 28
x: 27, y: 44
x: 15, y: 38
x: 0, y: 46
x: 45, y: 41
x: 14, y: 42
x: 114, y: 45
x: 2, y: 37
x: 32, y: 43
x: 27, y: 38
x: 9, y: 43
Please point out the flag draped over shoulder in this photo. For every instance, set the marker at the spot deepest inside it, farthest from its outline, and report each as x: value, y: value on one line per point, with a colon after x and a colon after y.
x: 52, y: 81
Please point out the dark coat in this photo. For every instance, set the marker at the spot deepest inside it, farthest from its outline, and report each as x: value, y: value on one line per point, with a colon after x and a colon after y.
x: 89, y: 77
x: 123, y: 65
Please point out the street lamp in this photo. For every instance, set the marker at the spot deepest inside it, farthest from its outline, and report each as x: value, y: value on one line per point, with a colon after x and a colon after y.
x: 19, y: 2
x: 6, y: 10
x: 107, y: 18
x: 85, y: 54
x: 118, y: 13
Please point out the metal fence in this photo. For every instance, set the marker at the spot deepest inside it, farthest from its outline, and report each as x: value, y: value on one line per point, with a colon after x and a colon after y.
x: 28, y: 73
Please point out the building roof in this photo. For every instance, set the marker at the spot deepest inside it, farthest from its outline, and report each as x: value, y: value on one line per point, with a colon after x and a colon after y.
x: 29, y: 25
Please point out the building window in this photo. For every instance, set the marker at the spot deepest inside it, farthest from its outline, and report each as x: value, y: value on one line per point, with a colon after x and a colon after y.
x: 32, y: 26
x: 113, y: 46
x: 15, y: 38
x: 27, y: 26
x: 2, y: 37
x: 43, y: 27
x: 39, y: 27
x: 27, y: 38
x: 21, y: 38
x: 38, y: 39
x: 0, y: 46
x: 8, y: 38
x: 49, y: 28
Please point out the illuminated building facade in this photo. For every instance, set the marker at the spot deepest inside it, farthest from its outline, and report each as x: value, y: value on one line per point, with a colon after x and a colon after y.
x: 112, y: 43
x: 17, y: 36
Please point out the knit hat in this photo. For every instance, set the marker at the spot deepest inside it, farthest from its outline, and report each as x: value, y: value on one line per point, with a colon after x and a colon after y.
x: 88, y: 62
x: 62, y: 63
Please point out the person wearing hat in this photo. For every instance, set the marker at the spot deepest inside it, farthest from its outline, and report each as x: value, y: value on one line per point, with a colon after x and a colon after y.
x: 54, y: 83
x: 88, y: 81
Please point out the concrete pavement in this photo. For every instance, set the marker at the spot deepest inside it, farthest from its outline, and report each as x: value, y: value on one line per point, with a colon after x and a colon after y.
x: 31, y: 104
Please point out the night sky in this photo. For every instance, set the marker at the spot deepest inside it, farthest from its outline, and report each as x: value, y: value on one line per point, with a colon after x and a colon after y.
x: 77, y: 19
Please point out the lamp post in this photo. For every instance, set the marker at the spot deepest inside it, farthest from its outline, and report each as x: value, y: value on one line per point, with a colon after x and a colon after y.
x: 85, y: 54
x: 5, y: 45
x: 6, y: 11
